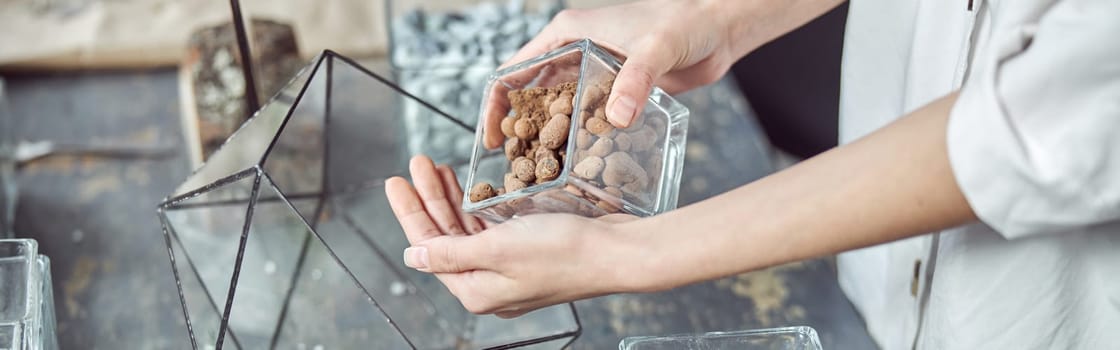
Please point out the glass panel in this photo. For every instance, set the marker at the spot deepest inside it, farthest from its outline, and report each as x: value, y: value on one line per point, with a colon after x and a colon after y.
x: 367, y: 119
x: 269, y: 263
x: 245, y: 149
x: 209, y: 227
x: 300, y: 295
x: 363, y: 233
x: 204, y: 313
x: 295, y: 162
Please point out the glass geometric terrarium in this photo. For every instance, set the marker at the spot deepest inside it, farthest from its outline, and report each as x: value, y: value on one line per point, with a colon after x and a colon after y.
x: 284, y: 238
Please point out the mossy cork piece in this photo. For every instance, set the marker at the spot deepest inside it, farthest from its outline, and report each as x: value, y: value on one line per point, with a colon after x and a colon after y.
x: 481, y: 192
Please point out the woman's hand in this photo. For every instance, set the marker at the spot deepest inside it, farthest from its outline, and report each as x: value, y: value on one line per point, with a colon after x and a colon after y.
x: 521, y: 265
x: 679, y: 45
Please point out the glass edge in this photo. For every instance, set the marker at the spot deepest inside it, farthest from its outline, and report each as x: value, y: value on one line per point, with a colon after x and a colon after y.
x: 170, y: 203
x: 801, y: 330
x: 29, y: 251
x: 578, y: 45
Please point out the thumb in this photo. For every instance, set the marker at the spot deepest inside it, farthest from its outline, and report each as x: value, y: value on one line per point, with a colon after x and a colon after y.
x: 446, y: 254
x: 634, y: 81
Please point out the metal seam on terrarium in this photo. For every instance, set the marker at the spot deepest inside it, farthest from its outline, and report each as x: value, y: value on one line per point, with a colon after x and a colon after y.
x: 246, y: 58
x: 579, y: 325
x: 178, y: 280
x: 240, y: 256
x: 399, y: 90
x: 318, y: 207
x: 349, y: 273
x: 194, y: 269
x: 533, y: 341
x: 225, y: 202
x: 324, y: 180
x: 238, y: 176
x: 288, y: 114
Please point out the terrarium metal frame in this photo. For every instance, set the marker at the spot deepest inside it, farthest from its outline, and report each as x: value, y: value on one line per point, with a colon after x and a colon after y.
x: 262, y: 181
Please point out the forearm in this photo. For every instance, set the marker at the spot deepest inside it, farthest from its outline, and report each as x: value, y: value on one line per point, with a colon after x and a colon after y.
x: 753, y: 23
x: 892, y: 184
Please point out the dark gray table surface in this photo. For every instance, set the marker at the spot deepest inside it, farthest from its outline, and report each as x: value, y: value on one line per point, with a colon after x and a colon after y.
x: 96, y: 219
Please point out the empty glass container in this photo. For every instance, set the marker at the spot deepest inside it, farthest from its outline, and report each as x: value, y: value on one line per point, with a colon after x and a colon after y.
x: 26, y: 298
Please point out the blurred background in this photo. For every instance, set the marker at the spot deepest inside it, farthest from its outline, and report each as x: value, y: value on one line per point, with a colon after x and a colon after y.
x: 107, y: 105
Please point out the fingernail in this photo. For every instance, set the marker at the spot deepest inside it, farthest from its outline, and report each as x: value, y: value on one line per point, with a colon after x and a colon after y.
x: 622, y: 111
x: 416, y: 257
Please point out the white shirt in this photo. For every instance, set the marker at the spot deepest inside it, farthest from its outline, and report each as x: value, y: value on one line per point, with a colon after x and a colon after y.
x: 1034, y: 142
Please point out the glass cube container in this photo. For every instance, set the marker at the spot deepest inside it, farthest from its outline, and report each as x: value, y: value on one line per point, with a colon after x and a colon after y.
x: 789, y: 338
x: 284, y: 238
x: 26, y: 297
x: 600, y: 169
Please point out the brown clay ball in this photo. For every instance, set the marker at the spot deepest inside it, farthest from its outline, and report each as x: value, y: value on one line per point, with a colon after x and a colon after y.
x: 507, y: 126
x: 602, y: 147
x: 555, y: 132
x: 524, y: 169
x: 525, y: 129
x: 481, y: 192
x: 514, y: 148
x: 600, y: 127
x: 589, y: 168
x: 562, y: 105
x: 512, y: 183
x: 547, y: 169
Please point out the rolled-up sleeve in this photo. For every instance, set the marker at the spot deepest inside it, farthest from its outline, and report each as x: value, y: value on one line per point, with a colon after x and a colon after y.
x: 1034, y: 137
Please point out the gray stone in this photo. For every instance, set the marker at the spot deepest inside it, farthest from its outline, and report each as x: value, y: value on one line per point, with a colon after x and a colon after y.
x: 446, y: 58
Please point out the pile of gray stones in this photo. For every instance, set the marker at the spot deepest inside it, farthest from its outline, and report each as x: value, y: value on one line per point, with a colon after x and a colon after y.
x: 445, y: 58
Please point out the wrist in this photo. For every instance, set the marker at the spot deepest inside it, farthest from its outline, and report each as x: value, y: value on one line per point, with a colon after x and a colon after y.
x: 635, y: 258
x: 734, y: 24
